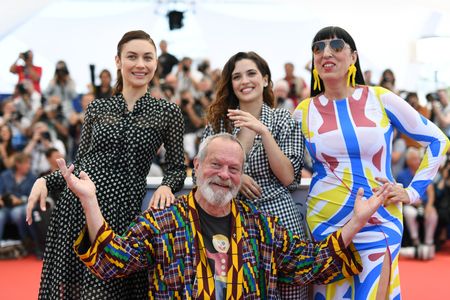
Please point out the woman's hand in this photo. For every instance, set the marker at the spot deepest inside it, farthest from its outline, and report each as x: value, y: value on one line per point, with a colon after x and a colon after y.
x: 39, y: 193
x: 249, y: 188
x: 396, y: 193
x: 242, y: 118
x: 163, y: 196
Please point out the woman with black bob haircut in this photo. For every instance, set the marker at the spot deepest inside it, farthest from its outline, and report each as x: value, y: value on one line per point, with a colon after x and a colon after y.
x: 348, y: 129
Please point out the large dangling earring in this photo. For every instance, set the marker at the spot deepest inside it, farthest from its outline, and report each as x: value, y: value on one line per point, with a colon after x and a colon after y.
x: 351, y: 75
x: 316, y: 79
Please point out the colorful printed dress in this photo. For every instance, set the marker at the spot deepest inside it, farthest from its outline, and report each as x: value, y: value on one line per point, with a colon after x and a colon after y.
x: 350, y: 142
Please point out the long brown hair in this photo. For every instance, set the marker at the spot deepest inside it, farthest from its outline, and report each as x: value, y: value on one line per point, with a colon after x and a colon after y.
x: 329, y: 33
x: 225, y: 97
x: 9, y: 146
x: 129, y: 36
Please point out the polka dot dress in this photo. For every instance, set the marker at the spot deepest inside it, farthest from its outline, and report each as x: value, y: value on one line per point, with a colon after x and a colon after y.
x: 116, y: 151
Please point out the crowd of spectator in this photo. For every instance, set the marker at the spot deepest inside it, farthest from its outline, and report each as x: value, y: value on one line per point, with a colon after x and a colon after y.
x: 38, y: 125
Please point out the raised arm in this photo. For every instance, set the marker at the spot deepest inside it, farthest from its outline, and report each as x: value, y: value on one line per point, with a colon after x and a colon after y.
x: 107, y: 254
x: 363, y: 210
x: 13, y: 68
x: 84, y: 189
x: 290, y: 139
x: 333, y: 258
x: 279, y: 163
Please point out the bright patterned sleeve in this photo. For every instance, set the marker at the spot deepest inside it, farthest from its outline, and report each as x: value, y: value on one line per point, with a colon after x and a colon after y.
x: 303, y: 262
x: 114, y: 256
x: 406, y: 119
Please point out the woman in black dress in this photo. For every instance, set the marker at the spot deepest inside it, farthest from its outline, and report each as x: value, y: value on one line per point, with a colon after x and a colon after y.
x: 120, y: 137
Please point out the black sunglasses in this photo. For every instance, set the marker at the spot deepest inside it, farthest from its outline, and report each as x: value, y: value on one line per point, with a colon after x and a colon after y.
x: 336, y: 45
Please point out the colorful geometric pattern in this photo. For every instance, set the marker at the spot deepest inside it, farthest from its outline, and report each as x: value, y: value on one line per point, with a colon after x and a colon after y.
x: 350, y: 142
x: 169, y: 244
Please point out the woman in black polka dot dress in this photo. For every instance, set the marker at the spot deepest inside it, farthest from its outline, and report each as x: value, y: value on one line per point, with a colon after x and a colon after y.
x: 120, y: 137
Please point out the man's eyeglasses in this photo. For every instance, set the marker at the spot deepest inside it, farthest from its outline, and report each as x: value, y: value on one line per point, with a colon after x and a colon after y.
x: 336, y: 45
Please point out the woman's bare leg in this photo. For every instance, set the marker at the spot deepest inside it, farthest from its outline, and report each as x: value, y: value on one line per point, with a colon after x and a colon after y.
x: 383, y: 284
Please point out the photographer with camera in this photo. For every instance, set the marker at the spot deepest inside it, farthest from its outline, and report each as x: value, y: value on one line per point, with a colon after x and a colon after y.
x: 62, y: 85
x: 204, y: 67
x: 52, y: 114
x: 205, y: 86
x: 28, y: 70
x: 41, y: 141
x: 27, y: 100
x: 185, y: 78
x: 441, y: 109
x: 192, y: 112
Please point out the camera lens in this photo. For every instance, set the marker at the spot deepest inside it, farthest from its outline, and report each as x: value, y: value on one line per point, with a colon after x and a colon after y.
x: 21, y: 89
x: 184, y: 101
x: 45, y: 135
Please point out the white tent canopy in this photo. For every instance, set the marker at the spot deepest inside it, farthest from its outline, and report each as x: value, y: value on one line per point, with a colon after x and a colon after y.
x: 388, y: 34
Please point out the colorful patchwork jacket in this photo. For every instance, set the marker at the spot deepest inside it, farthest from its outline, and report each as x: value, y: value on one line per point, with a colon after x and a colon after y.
x: 170, y: 245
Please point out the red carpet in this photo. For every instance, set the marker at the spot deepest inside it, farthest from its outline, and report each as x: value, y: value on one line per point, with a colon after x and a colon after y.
x: 426, y: 279
x: 19, y: 279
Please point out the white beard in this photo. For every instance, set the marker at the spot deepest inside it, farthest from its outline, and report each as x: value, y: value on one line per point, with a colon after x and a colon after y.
x: 218, y: 198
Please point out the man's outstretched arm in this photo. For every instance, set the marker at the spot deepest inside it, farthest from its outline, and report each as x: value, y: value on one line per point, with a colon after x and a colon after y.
x: 304, y: 262
x: 84, y: 189
x: 107, y: 255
